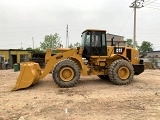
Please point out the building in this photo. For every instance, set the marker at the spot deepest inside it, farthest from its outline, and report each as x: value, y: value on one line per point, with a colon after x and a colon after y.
x: 13, y: 56
x: 153, y: 57
x: 39, y: 58
x: 118, y: 40
x: 153, y: 54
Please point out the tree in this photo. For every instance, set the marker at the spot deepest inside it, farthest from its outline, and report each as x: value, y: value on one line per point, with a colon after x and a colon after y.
x: 75, y: 45
x: 37, y: 50
x: 50, y: 41
x: 129, y: 42
x: 29, y: 48
x: 146, y: 47
x: 70, y: 46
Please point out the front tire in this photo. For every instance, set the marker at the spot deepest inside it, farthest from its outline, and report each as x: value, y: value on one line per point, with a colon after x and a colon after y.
x: 66, y: 73
x: 121, y: 72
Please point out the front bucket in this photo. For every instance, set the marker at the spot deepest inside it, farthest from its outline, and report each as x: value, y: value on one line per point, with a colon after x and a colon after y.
x: 29, y: 75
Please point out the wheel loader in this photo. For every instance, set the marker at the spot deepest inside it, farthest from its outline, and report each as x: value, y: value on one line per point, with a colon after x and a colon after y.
x: 117, y: 63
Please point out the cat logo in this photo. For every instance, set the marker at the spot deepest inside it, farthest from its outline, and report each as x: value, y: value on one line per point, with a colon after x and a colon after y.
x: 119, y: 50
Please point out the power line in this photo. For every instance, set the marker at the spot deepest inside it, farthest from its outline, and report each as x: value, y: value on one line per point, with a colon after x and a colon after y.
x: 150, y: 2
x: 147, y: 1
x: 152, y: 7
x: 158, y: 6
x: 156, y: 3
x: 125, y: 22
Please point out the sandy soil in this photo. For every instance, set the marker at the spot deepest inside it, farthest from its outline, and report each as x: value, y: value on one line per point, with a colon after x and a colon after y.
x: 92, y: 98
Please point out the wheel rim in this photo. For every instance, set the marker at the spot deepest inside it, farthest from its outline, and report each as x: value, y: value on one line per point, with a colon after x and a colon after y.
x: 66, y: 74
x: 123, y: 73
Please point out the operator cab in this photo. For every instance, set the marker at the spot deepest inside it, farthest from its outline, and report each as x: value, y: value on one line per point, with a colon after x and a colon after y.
x: 94, y: 43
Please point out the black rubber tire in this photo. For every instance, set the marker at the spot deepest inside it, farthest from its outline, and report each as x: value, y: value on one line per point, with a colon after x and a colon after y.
x: 56, y: 73
x: 113, y: 72
x: 103, y: 77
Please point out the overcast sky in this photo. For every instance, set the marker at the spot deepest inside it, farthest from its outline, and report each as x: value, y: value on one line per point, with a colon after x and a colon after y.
x: 20, y: 20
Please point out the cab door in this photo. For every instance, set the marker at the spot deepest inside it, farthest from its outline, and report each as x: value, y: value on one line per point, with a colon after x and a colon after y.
x: 98, y: 44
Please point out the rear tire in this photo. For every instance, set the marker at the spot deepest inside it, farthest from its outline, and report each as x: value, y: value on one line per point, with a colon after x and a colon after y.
x: 66, y: 73
x: 121, y: 72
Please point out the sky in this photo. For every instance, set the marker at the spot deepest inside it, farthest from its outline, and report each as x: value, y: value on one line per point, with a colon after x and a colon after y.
x: 25, y: 21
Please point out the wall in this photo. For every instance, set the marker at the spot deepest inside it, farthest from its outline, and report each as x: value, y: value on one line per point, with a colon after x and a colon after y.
x: 19, y: 53
x: 153, y: 54
x: 155, y: 61
x: 4, y: 54
x: 14, y: 55
x: 117, y: 39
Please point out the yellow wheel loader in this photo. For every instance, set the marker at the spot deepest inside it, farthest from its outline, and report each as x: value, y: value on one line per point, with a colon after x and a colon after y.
x: 117, y: 63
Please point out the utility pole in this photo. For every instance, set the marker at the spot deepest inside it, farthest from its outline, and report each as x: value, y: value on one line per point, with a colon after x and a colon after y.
x: 136, y: 4
x: 134, y: 31
x: 21, y: 46
x: 67, y: 38
x: 33, y: 42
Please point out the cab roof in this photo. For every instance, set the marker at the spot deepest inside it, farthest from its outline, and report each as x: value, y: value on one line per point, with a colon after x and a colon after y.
x: 94, y: 30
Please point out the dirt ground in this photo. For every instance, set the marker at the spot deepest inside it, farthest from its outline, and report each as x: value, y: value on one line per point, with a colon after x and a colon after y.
x: 92, y: 98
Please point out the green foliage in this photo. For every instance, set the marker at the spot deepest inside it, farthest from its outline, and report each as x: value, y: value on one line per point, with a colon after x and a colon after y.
x: 29, y: 48
x: 37, y: 50
x: 154, y: 60
x: 71, y: 46
x: 54, y: 51
x: 75, y: 45
x: 146, y: 47
x: 50, y: 41
x: 129, y: 42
